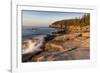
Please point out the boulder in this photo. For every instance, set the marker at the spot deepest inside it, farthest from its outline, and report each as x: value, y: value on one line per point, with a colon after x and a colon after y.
x: 54, y: 46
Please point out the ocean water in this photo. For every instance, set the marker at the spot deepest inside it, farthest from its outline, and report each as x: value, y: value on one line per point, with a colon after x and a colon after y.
x: 31, y: 31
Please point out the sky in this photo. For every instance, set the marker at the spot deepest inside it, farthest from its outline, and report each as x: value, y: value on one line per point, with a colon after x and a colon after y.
x: 45, y: 18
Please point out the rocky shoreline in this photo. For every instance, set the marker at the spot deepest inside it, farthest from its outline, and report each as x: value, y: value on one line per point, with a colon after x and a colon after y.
x: 71, y: 42
x: 67, y: 46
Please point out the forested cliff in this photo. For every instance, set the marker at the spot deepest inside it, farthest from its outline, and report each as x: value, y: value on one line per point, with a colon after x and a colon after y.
x: 75, y: 23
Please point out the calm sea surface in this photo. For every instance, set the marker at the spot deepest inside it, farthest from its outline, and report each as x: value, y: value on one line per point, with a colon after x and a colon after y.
x: 31, y: 31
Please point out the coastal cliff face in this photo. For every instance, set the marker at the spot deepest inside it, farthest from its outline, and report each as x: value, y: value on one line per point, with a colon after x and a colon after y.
x: 72, y: 25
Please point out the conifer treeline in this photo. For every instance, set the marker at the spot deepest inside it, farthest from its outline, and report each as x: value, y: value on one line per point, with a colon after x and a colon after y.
x: 64, y: 24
